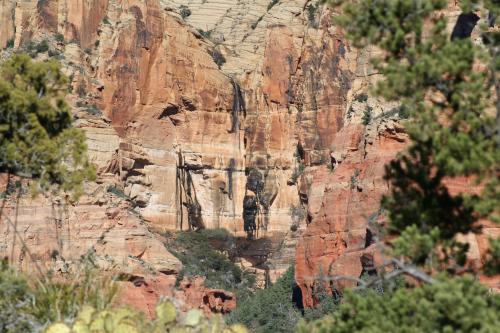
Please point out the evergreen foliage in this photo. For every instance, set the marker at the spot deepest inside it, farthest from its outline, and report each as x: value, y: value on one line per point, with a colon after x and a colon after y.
x: 37, y: 140
x: 200, y: 258
x: 184, y: 11
x: 270, y: 309
x: 454, y: 126
x: 458, y: 305
x: 15, y: 301
x: 28, y: 304
x: 453, y: 129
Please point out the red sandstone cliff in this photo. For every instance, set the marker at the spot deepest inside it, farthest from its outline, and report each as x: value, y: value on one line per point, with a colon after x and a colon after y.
x: 224, y: 118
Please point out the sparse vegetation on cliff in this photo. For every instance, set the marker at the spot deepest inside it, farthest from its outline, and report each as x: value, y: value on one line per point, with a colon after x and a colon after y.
x: 312, y: 11
x: 218, y: 57
x: 10, y: 43
x: 184, y: 11
x: 200, y: 258
x: 271, y: 309
x: 367, y: 115
x: 297, y: 172
x: 207, y: 34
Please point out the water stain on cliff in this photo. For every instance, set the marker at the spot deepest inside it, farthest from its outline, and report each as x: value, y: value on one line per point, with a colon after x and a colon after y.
x: 238, y: 107
x: 187, y: 201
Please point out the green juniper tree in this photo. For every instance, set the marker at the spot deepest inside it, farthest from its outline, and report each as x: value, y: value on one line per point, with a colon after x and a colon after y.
x: 37, y: 139
x: 270, y: 309
x: 458, y: 305
x: 450, y: 89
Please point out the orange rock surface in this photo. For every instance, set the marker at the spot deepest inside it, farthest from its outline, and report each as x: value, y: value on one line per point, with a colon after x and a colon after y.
x: 231, y: 114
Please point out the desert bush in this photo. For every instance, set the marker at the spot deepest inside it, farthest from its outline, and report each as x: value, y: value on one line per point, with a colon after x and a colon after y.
x: 10, y: 43
x: 218, y: 57
x: 124, y: 320
x: 271, y: 309
x: 56, y: 300
x: 200, y: 258
x: 29, y: 303
x: 15, y: 302
x: 451, y: 305
x: 367, y: 115
x: 184, y: 11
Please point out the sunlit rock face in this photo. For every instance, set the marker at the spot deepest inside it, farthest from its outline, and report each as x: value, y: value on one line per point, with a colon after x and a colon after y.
x: 242, y: 115
x: 187, y: 113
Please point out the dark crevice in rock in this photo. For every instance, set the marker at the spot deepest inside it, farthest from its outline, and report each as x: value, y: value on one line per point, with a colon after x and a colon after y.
x: 238, y: 106
x: 230, y: 171
x: 186, y: 198
x: 466, y: 22
x: 368, y: 265
x: 369, y: 239
x: 188, y: 104
x: 297, y: 298
x: 170, y: 110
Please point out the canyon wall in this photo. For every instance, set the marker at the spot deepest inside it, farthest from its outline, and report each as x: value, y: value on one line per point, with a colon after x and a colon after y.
x: 207, y: 120
x: 251, y: 116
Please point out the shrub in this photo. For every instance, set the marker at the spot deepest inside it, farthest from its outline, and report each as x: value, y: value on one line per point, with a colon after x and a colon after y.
x: 207, y: 34
x: 42, y: 47
x: 15, y: 300
x: 93, y: 110
x: 184, y: 11
x: 56, y: 301
x: 311, y: 15
x: 327, y: 303
x: 10, y: 43
x: 367, y: 116
x: 81, y: 89
x: 59, y: 38
x: 271, y: 309
x: 354, y: 181
x: 27, y: 304
x: 218, y: 57
x: 131, y: 321
x: 117, y: 191
x: 361, y: 98
x: 33, y: 49
x: 200, y: 258
x: 451, y: 305
x: 297, y: 172
x: 298, y: 213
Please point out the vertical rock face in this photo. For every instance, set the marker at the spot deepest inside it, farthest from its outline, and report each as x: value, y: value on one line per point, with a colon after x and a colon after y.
x: 205, y: 120
x: 344, y: 201
x: 344, y: 206
x: 242, y: 115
